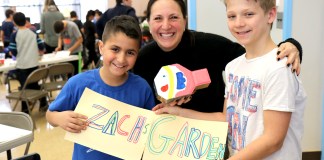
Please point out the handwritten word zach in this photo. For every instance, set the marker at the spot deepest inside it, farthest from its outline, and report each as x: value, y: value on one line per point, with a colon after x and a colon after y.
x: 114, y: 125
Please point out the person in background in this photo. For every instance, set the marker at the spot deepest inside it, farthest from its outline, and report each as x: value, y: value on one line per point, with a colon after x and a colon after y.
x: 123, y: 7
x: 26, y: 46
x: 74, y: 17
x: 119, y: 48
x: 147, y: 37
x: 174, y: 43
x: 97, y: 16
x: 29, y: 25
x: 50, y: 15
x: 71, y: 38
x: 90, y: 39
x: 7, y: 28
x: 270, y: 125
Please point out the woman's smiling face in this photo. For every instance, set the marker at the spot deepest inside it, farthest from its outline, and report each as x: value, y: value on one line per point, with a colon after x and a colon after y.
x: 167, y: 24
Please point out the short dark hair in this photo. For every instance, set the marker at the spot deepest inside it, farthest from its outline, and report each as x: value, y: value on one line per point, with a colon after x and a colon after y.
x: 119, y: 1
x: 125, y: 24
x: 19, y: 18
x: 73, y: 14
x: 9, y: 12
x: 90, y: 13
x: 28, y: 19
x: 98, y: 12
x: 58, y: 26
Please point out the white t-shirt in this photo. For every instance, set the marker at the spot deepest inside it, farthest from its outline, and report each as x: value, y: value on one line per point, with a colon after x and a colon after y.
x: 255, y: 85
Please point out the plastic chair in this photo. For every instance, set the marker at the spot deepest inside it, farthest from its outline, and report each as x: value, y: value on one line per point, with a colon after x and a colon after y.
x: 19, y: 120
x: 30, y: 96
x: 58, y: 75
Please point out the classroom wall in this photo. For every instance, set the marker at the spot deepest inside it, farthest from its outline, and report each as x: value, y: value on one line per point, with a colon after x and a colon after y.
x: 307, y: 28
x: 87, y: 5
x: 211, y: 17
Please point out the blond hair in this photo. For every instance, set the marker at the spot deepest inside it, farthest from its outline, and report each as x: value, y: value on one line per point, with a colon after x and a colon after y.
x: 266, y: 5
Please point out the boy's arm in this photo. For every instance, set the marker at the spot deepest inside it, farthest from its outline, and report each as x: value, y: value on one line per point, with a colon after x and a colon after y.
x: 76, y: 44
x: 276, y: 125
x: 59, y: 43
x: 2, y: 35
x: 13, y: 45
x: 76, y: 33
x: 68, y: 120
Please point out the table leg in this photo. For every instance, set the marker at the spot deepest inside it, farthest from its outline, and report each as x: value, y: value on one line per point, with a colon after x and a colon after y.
x: 9, y: 154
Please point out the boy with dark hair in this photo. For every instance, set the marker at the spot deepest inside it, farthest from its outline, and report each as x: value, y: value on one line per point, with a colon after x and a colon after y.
x: 97, y: 16
x: 90, y: 39
x: 120, y: 46
x: 7, y: 27
x: 29, y: 25
x: 26, y: 46
x: 71, y: 37
x: 74, y: 17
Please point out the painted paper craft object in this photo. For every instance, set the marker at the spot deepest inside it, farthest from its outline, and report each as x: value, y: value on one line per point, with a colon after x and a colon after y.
x: 175, y: 81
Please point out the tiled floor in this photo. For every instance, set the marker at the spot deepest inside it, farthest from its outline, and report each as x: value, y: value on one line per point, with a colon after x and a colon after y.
x: 49, y: 142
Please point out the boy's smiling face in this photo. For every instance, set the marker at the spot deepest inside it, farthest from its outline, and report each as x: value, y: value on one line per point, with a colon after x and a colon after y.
x: 247, y: 21
x: 119, y: 54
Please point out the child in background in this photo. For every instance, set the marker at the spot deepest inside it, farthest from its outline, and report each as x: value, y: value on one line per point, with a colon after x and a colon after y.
x: 7, y: 28
x: 90, y: 39
x: 71, y: 38
x: 119, y: 49
x: 29, y: 25
x: 27, y: 47
x: 264, y: 100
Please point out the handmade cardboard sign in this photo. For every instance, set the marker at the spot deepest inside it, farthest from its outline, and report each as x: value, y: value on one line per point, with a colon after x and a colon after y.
x: 175, y: 81
x: 127, y: 131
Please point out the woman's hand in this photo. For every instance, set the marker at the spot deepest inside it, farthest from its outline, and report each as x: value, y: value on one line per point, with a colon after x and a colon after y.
x: 166, y: 108
x: 180, y: 101
x: 290, y: 51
